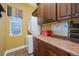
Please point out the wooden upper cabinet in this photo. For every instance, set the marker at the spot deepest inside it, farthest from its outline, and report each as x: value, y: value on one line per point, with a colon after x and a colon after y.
x: 45, y: 12
x: 49, y: 12
x: 73, y: 9
x: 68, y: 10
x: 63, y: 11
x: 40, y: 12
x: 77, y: 9
x: 52, y: 11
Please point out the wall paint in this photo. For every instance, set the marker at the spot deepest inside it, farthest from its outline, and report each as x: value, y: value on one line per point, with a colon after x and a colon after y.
x: 46, y: 27
x: 12, y: 42
x: 2, y: 34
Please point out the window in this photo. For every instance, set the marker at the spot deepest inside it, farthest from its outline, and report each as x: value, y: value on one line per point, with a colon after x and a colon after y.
x: 19, y: 13
x: 15, y: 26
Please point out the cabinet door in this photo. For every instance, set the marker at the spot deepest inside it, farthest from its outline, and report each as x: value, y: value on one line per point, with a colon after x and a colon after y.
x: 63, y: 11
x: 45, y: 12
x: 68, y: 10
x: 40, y: 12
x: 50, y: 53
x: 52, y: 11
x: 39, y: 48
x: 49, y: 12
x: 77, y: 9
x: 54, y: 51
x: 73, y: 9
x: 42, y: 49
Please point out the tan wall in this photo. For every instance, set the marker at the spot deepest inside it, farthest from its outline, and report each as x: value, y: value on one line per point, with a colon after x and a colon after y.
x: 2, y: 35
x: 46, y: 27
x: 12, y: 42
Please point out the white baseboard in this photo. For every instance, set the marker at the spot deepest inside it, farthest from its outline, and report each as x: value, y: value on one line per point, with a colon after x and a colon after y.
x: 14, y: 49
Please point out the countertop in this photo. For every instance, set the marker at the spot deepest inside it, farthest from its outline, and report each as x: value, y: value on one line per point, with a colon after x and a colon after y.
x: 65, y: 45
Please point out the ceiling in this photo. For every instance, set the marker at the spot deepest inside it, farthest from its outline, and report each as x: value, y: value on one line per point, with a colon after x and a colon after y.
x: 32, y: 4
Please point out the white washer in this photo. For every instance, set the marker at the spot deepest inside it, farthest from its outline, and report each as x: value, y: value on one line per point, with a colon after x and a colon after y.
x: 29, y: 43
